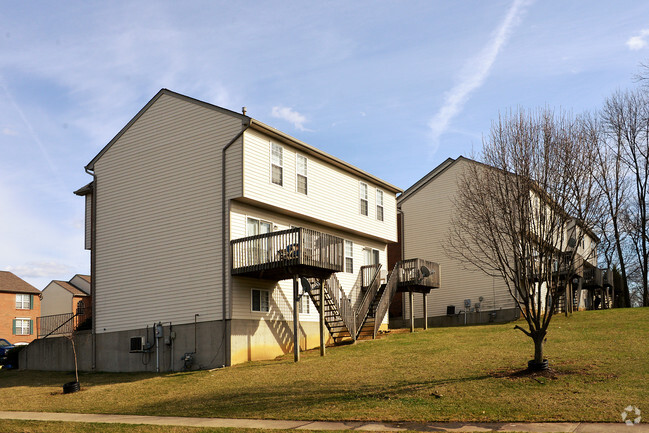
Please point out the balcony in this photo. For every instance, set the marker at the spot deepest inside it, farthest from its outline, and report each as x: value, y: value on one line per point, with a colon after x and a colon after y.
x: 284, y: 254
x: 418, y: 275
x: 593, y: 277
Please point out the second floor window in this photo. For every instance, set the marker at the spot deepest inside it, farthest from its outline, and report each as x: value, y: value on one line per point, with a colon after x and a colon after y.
x: 349, y: 257
x: 363, y: 197
x: 23, y: 302
x: 301, y: 169
x: 379, y: 205
x: 277, y: 164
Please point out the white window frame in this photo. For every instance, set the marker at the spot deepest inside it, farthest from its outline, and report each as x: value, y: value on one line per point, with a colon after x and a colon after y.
x: 349, y: 256
x: 363, y: 193
x: 274, y: 164
x: 23, y: 330
x: 262, y: 292
x: 305, y: 175
x: 21, y: 300
x: 379, y: 205
x: 373, y: 253
x: 304, y: 302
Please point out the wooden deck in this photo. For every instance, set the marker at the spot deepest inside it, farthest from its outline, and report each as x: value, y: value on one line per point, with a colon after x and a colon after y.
x: 418, y: 275
x: 284, y: 254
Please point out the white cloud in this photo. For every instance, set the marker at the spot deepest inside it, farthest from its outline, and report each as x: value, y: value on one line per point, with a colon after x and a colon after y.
x: 475, y: 73
x: 639, y: 41
x: 40, y: 269
x: 285, y: 113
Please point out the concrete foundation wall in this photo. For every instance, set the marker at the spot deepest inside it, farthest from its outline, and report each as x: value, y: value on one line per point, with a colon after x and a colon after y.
x: 55, y: 353
x: 254, y: 340
x: 483, y: 317
x: 113, y: 348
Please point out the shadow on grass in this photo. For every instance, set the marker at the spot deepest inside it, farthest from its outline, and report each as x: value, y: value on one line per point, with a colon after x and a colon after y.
x: 299, y: 402
x: 35, y: 379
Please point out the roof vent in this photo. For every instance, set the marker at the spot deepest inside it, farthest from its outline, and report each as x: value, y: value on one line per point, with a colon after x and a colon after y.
x: 243, y: 110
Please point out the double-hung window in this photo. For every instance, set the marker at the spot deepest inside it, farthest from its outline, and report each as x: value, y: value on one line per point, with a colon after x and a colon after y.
x: 23, y: 326
x: 304, y: 304
x: 277, y: 164
x: 301, y: 170
x: 23, y: 301
x: 349, y: 257
x: 379, y: 205
x: 260, y: 300
x: 363, y: 197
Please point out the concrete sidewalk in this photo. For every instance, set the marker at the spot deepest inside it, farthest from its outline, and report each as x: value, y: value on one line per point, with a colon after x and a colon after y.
x: 326, y: 425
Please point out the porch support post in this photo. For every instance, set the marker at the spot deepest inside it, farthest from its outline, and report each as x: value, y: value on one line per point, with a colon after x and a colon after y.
x: 296, y: 321
x: 322, y: 314
x: 425, y: 310
x: 412, y: 311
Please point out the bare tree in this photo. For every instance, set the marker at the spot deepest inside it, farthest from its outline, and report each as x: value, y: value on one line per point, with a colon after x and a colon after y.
x: 611, y: 175
x: 524, y: 209
x: 626, y: 115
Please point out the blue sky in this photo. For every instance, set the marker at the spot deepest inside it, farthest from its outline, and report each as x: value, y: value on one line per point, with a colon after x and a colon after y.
x: 394, y: 87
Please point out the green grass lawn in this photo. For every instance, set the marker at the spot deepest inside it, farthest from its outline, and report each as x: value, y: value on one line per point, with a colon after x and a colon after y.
x: 599, y: 361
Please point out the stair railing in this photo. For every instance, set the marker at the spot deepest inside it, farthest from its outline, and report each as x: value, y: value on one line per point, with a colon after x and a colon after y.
x: 386, y: 297
x: 372, y: 284
x: 342, y: 305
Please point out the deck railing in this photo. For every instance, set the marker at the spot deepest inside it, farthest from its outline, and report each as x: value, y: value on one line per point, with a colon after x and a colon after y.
x: 296, y: 246
x: 593, y: 277
x: 388, y: 293
x: 419, y: 272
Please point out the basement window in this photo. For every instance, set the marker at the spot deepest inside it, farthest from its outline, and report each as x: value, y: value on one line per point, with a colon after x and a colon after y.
x: 260, y: 301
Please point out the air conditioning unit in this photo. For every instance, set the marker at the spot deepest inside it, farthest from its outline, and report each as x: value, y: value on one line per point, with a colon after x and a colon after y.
x: 137, y: 344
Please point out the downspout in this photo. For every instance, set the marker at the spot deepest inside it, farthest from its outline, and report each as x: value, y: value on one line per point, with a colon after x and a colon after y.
x: 93, y: 244
x: 225, y: 236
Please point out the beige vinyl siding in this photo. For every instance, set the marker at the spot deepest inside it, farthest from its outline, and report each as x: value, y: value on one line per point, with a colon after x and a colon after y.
x: 282, y: 292
x: 55, y: 300
x: 158, y: 251
x: 333, y: 194
x: 427, y: 219
x: 88, y: 225
x: 80, y: 283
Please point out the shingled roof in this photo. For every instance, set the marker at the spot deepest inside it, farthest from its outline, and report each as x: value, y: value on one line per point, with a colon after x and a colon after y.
x: 13, y: 284
x: 71, y: 288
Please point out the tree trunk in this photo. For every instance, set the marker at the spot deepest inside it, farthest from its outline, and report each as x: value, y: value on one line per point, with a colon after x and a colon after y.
x: 539, y: 339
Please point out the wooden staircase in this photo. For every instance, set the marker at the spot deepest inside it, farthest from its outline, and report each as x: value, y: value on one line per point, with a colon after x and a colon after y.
x: 347, y: 323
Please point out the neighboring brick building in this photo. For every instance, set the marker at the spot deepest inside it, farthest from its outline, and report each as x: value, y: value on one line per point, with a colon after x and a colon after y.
x: 20, y: 305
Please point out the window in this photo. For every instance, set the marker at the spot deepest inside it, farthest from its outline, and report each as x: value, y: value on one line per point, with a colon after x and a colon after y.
x: 349, y: 257
x: 304, y: 304
x: 277, y: 164
x: 379, y: 205
x: 259, y: 250
x: 257, y: 227
x: 301, y: 170
x: 24, y: 302
x: 370, y: 256
x: 23, y: 326
x: 363, y: 196
x: 259, y: 300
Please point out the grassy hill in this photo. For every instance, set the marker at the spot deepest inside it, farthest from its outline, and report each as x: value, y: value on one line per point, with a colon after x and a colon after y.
x: 598, y: 359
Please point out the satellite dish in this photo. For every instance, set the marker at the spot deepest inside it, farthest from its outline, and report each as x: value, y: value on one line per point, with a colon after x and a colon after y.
x: 572, y: 242
x: 306, y: 286
x: 424, y: 272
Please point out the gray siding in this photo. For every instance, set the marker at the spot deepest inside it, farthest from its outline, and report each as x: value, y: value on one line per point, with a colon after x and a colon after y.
x: 427, y: 220
x: 158, y: 251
